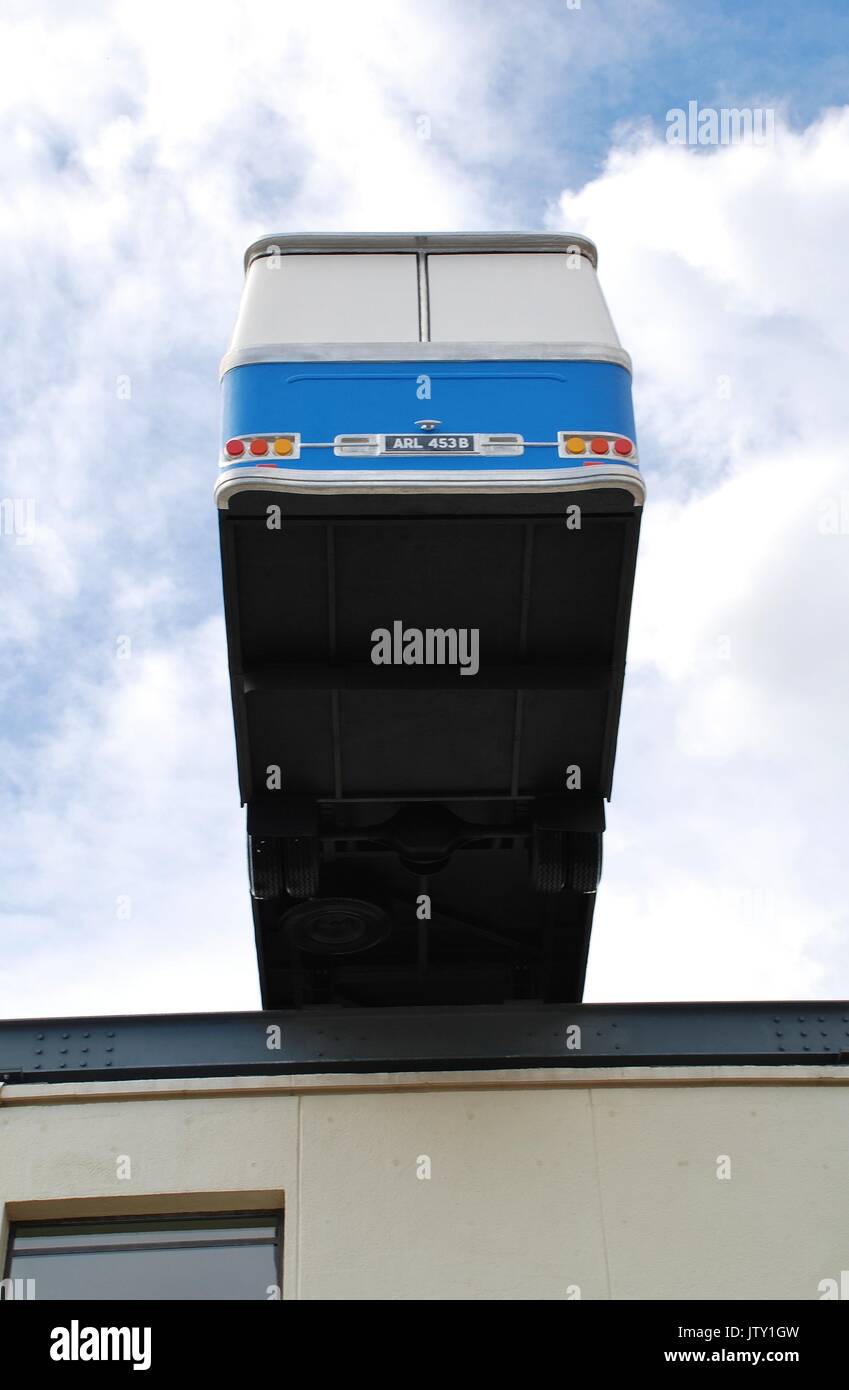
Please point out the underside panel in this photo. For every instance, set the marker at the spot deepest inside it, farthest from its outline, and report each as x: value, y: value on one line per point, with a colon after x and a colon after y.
x: 365, y: 743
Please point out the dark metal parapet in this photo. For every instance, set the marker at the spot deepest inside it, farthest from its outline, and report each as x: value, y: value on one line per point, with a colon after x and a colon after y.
x: 441, y: 1039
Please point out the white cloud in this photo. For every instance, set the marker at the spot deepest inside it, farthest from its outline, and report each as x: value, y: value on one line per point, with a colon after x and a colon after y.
x: 124, y: 874
x: 154, y: 147
x: 733, y: 752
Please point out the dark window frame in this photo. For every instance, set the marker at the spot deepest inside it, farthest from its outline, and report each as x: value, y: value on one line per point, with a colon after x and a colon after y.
x: 176, y: 1220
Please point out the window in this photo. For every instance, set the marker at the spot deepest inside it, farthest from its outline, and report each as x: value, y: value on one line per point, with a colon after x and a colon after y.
x: 357, y: 298
x: 203, y: 1257
x: 514, y: 297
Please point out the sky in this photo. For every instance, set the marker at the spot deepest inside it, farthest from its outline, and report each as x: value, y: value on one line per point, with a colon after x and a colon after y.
x: 142, y: 147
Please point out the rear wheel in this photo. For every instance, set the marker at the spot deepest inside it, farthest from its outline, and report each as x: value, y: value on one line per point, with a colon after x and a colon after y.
x: 583, y: 860
x: 279, y: 867
x: 301, y: 862
x: 547, y: 860
x: 565, y: 859
x: 265, y: 867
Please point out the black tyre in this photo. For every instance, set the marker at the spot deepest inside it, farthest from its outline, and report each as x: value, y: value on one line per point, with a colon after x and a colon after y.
x: 302, y: 864
x: 583, y: 860
x: 548, y: 868
x: 265, y: 868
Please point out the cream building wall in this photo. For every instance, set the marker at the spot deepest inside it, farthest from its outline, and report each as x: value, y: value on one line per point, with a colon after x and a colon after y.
x: 661, y: 1183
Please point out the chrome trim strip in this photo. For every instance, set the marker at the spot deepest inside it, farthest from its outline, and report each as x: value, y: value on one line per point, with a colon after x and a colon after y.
x: 437, y: 243
x: 425, y: 352
x: 424, y: 298
x: 373, y: 481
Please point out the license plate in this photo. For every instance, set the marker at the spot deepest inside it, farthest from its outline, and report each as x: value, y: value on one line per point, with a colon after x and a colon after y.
x: 428, y: 444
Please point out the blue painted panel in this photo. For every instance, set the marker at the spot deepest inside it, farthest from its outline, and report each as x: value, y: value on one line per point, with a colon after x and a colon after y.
x: 323, y: 399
